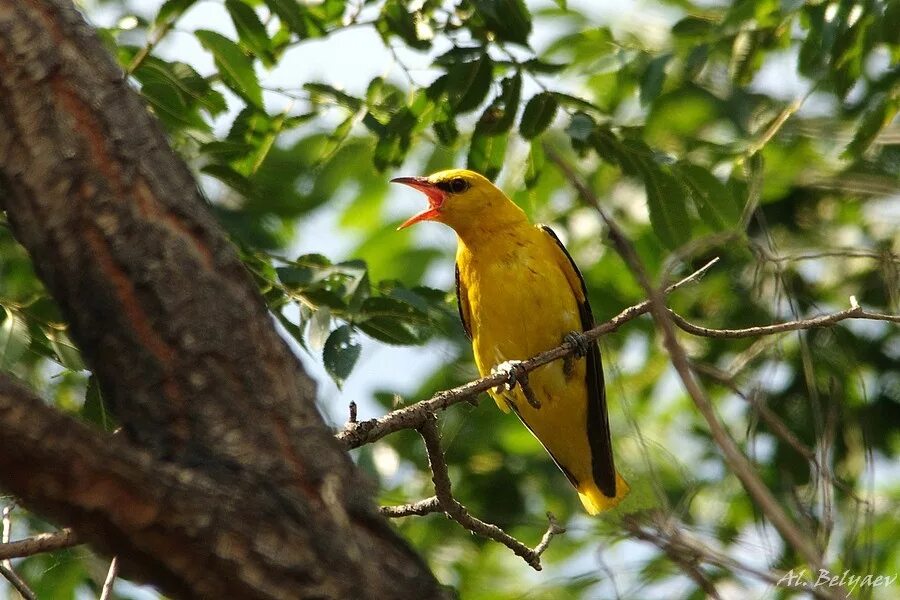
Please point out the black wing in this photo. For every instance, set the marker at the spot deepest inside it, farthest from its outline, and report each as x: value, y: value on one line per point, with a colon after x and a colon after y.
x: 459, y: 305
x: 602, y: 466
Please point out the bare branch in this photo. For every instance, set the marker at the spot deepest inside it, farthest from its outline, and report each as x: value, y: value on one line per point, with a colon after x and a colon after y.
x: 854, y: 312
x: 460, y: 514
x: 43, y: 542
x: 6, y: 568
x: 106, y: 592
x: 17, y: 582
x: 554, y: 528
x: 356, y: 434
x: 419, y: 508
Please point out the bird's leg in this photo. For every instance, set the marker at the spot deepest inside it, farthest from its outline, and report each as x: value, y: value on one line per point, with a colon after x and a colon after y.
x: 516, y: 375
x: 580, y: 344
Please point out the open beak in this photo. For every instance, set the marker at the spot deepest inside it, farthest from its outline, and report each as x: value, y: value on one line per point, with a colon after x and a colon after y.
x: 435, y: 199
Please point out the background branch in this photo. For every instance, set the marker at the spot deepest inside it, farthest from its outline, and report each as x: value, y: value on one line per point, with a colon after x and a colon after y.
x: 734, y: 458
x: 42, y: 542
x: 459, y: 513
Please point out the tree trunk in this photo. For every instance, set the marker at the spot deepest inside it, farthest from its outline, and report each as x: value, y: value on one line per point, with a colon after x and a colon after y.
x: 225, y: 481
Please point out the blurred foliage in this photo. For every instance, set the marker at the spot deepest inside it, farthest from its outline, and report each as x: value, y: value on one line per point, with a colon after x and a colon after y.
x: 759, y: 131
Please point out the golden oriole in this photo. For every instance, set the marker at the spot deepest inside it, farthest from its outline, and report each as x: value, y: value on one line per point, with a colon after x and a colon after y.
x: 520, y: 293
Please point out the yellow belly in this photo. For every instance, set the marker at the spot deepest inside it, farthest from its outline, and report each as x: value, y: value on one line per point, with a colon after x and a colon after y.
x: 521, y: 304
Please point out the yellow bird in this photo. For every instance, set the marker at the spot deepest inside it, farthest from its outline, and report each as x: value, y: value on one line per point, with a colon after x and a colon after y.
x: 520, y: 293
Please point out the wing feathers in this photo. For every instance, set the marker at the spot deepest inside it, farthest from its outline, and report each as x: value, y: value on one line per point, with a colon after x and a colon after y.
x: 602, y: 466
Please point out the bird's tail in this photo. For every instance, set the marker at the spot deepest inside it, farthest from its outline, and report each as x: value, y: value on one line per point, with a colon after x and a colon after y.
x: 595, y: 501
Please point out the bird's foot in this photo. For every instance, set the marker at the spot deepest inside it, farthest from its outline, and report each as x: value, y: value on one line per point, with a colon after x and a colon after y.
x: 515, y: 375
x: 579, y: 342
x: 580, y: 345
x: 512, y: 370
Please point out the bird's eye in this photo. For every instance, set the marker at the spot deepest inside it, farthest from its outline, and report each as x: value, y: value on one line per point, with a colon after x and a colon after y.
x: 458, y: 185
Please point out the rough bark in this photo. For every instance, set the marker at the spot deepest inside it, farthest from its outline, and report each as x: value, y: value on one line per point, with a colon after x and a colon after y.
x: 222, y: 449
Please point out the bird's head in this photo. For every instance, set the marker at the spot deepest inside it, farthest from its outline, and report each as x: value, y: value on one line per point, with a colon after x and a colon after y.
x: 456, y: 197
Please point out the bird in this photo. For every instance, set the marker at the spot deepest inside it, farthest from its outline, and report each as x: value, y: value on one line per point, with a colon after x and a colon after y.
x: 519, y: 292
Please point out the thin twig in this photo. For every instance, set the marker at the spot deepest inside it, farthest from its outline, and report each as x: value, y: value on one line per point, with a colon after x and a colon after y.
x: 43, y: 542
x: 155, y: 38
x: 6, y: 568
x: 106, y: 592
x: 17, y: 582
x: 854, y: 312
x: 420, y: 508
x: 670, y: 538
x: 459, y: 513
x: 359, y: 434
x: 7, y: 522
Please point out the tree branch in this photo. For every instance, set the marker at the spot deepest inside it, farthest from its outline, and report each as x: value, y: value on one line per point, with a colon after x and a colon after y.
x: 420, y: 508
x: 6, y: 568
x: 106, y: 592
x: 17, y: 582
x: 42, y: 542
x: 355, y: 434
x: 854, y: 312
x: 459, y: 513
x: 177, y: 334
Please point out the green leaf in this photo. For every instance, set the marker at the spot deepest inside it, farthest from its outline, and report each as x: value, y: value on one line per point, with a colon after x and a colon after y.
x: 538, y: 114
x: 384, y: 306
x: 333, y: 94
x: 396, y: 19
x: 14, y: 338
x: 194, y: 90
x: 93, y: 410
x: 691, y: 27
x: 340, y: 354
x: 877, y: 116
x: 235, y: 68
x: 508, y: 19
x: 394, y: 139
x: 394, y: 331
x: 534, y: 165
x: 226, y: 151
x: 486, y: 154
x: 393, y: 321
x: 171, y: 10
x: 297, y: 17
x: 231, y: 178
x: 666, y: 198
x: 667, y: 207
x: 500, y: 115
x: 251, y: 31
x: 171, y: 108
x: 307, y: 270
x: 580, y: 127
x: 714, y: 201
x: 67, y: 354
x: 575, y: 102
x: 653, y: 78
x: 468, y: 83
x: 319, y: 328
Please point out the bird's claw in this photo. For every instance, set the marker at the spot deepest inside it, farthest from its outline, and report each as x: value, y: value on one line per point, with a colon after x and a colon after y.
x: 512, y: 370
x: 580, y: 344
x: 516, y: 375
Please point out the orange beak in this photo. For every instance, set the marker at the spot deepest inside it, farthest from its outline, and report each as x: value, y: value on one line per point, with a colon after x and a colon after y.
x: 435, y: 199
